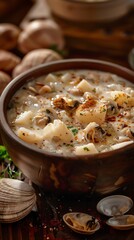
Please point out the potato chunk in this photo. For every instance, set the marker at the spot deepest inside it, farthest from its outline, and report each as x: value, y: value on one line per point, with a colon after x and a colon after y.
x: 84, y: 86
x: 96, y: 114
x: 120, y: 97
x: 24, y: 118
x: 58, y: 129
x: 85, y: 149
x: 30, y: 136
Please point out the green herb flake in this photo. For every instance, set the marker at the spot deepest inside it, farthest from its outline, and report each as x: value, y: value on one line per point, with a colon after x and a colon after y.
x: 68, y: 145
x: 70, y: 127
x: 86, y: 149
x: 94, y: 90
x: 74, y: 131
x: 103, y: 109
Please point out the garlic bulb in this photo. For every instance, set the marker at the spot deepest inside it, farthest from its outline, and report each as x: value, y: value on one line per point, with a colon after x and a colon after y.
x: 40, y: 34
x: 9, y: 34
x: 4, y: 80
x: 34, y: 58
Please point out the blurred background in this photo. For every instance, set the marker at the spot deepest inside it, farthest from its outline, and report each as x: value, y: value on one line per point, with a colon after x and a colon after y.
x: 107, y: 31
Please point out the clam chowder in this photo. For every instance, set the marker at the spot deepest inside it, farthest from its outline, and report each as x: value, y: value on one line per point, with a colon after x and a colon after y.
x: 75, y: 112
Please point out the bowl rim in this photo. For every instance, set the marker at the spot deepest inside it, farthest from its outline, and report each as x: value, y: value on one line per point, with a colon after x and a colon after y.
x: 99, y: 4
x: 29, y: 75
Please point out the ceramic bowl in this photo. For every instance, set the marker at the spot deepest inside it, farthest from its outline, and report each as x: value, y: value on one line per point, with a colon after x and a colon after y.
x: 102, y: 173
x: 90, y: 11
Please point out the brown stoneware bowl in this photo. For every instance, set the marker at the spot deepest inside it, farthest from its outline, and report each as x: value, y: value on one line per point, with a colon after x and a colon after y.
x: 90, y: 11
x: 102, y: 173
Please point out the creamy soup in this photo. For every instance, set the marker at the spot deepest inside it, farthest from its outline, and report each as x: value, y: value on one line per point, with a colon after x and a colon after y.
x: 76, y: 112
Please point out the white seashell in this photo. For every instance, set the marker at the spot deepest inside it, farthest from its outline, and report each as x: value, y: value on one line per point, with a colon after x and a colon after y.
x: 10, y: 218
x: 124, y: 222
x: 17, y: 199
x: 81, y: 222
x: 114, y: 205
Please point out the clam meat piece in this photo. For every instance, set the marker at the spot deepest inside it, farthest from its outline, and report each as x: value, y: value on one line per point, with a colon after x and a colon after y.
x: 112, y: 108
x: 65, y: 103
x: 17, y: 199
x: 103, y: 133
x: 115, y: 205
x: 81, y: 222
x: 124, y: 222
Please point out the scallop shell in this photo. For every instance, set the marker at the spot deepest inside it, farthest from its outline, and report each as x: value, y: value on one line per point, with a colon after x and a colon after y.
x: 81, y: 222
x: 17, y: 199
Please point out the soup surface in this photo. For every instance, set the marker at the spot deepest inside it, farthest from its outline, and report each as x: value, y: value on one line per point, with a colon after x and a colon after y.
x: 76, y: 112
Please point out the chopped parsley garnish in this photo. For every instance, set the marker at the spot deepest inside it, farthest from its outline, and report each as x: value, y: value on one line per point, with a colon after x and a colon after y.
x: 73, y: 129
x: 70, y: 127
x: 86, y: 149
x: 94, y: 90
x: 103, y: 109
x: 68, y: 145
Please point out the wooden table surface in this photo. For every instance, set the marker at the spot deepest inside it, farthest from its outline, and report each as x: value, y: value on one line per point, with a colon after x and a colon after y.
x: 46, y: 223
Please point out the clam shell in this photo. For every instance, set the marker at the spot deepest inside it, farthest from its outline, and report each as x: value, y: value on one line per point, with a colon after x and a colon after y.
x: 10, y: 218
x: 17, y: 199
x: 124, y: 222
x: 114, y: 205
x: 11, y: 208
x: 16, y: 185
x: 81, y: 222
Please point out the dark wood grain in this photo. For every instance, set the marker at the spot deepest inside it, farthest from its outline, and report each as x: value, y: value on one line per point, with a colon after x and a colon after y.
x: 47, y: 223
x: 114, y: 38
